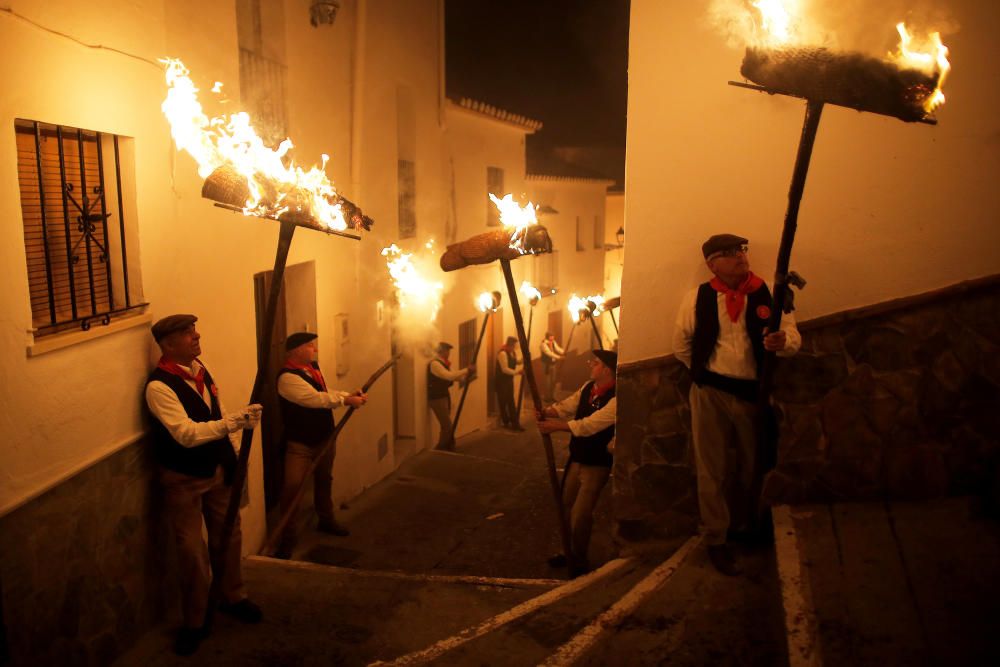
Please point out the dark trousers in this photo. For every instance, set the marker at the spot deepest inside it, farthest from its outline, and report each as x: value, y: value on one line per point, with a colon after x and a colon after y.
x: 505, y: 401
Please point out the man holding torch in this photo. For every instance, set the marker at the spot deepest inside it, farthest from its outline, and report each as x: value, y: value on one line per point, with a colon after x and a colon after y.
x: 306, y: 410
x: 589, y: 415
x: 551, y: 354
x: 721, y: 336
x: 192, y: 445
x: 507, y: 368
x: 440, y: 377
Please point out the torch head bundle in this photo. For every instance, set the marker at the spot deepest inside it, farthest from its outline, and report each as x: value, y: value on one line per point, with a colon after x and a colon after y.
x: 852, y: 80
x: 491, y: 246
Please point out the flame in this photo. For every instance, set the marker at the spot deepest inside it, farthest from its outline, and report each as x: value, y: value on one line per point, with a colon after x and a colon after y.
x: 530, y: 292
x: 485, y: 301
x: 232, y: 141
x: 590, y: 306
x: 928, y: 55
x: 415, y: 293
x: 516, y: 219
x: 775, y: 19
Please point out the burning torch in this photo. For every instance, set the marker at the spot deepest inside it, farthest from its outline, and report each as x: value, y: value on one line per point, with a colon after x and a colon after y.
x: 533, y: 296
x: 241, y: 173
x: 521, y: 235
x: 488, y: 303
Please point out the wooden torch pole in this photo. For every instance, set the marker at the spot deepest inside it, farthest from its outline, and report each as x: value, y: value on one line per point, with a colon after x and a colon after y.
x: 468, y: 380
x: 527, y: 360
x: 536, y: 397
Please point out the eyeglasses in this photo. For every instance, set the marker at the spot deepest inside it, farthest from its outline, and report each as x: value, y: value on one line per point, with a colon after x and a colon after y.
x: 731, y: 252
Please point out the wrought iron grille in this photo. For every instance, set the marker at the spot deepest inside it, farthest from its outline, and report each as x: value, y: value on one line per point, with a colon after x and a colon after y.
x: 77, y: 262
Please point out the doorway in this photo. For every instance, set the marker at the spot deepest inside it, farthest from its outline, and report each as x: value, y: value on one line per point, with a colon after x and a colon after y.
x: 296, y: 311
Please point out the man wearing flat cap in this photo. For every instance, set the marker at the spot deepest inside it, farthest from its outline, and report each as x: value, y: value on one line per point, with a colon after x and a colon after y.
x: 306, y: 410
x: 193, y: 443
x: 721, y: 336
x: 507, y: 367
x: 440, y: 377
x: 589, y: 415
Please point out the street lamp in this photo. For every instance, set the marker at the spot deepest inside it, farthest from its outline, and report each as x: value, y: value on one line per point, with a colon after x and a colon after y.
x: 620, y: 235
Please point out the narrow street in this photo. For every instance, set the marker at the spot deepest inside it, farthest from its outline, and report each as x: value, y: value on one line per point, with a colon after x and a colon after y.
x: 446, y: 564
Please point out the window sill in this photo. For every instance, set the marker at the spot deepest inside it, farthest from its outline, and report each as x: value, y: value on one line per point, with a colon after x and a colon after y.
x: 62, y: 340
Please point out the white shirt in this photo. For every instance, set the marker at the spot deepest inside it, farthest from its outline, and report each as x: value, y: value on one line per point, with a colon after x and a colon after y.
x: 551, y: 349
x: 733, y: 354
x: 439, y: 370
x: 166, y: 407
x: 503, y: 360
x: 595, y: 423
x: 293, y: 388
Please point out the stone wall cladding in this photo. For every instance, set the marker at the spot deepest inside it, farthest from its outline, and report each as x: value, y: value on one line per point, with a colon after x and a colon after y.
x: 904, y: 404
x: 86, y: 567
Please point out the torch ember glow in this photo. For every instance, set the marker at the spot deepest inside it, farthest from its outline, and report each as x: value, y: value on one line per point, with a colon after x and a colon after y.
x: 488, y: 302
x: 517, y: 219
x: 590, y: 306
x: 274, y: 184
x: 416, y: 293
x: 929, y: 57
x: 530, y: 292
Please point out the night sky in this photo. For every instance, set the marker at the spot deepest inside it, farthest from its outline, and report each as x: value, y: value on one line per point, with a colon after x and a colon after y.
x: 562, y: 62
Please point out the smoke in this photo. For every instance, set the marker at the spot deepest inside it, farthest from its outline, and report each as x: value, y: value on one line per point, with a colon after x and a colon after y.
x: 418, y: 286
x: 844, y: 25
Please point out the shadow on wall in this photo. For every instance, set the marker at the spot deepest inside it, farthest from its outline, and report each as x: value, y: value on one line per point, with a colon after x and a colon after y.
x: 892, y: 401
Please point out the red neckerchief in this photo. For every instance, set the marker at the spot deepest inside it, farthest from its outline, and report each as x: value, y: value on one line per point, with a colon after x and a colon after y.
x: 597, y: 390
x: 313, y: 372
x: 445, y: 363
x: 174, y: 368
x: 737, y: 298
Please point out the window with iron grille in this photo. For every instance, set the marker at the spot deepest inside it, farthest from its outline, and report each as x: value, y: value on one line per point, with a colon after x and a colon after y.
x: 494, y: 185
x: 407, y: 199
x: 466, y: 342
x: 581, y: 234
x: 598, y: 232
x: 547, y: 272
x: 76, y: 240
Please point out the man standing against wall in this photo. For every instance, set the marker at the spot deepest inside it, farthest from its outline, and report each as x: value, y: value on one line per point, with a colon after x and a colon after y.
x: 306, y: 410
x: 506, y: 369
x: 440, y: 377
x: 721, y: 337
x: 192, y: 445
x: 551, y: 354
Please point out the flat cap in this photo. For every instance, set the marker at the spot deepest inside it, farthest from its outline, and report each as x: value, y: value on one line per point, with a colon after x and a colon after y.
x: 608, y: 358
x: 720, y: 242
x: 444, y: 347
x: 170, y: 324
x: 511, y: 340
x: 299, y: 338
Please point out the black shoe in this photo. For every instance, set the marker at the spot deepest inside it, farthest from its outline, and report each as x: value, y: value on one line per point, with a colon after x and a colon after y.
x: 723, y: 560
x: 578, y: 570
x: 244, y: 611
x: 331, y: 527
x: 188, y: 640
x: 559, y: 560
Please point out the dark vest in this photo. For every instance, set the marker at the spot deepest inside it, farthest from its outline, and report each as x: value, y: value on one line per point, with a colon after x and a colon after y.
x: 199, y: 461
x: 437, y: 387
x: 499, y: 376
x: 310, y: 426
x: 706, y: 335
x: 592, y: 450
x: 547, y: 361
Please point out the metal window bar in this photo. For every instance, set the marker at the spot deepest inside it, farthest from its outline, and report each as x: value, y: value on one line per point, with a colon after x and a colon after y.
x: 87, y: 218
x: 45, y: 228
x: 121, y: 223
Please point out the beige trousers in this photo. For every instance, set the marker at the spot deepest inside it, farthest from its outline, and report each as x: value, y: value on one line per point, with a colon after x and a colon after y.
x: 581, y: 489
x: 298, y: 458
x: 722, y: 427
x: 189, y: 502
x: 441, y: 407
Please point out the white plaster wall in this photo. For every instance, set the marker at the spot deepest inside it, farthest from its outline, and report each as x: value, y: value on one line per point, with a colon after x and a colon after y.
x: 63, y: 410
x: 614, y: 260
x: 890, y: 208
x: 475, y: 142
